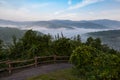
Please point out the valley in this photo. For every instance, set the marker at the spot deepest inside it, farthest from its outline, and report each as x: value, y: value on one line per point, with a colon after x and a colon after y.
x: 105, y: 29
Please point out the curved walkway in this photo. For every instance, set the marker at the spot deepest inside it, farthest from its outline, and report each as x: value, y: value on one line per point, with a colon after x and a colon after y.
x: 23, y: 75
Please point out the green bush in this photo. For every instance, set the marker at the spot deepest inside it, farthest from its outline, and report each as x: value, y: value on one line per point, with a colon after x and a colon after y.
x: 93, y: 64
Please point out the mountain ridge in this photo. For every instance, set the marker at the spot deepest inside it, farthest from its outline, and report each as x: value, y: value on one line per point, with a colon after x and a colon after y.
x: 88, y: 24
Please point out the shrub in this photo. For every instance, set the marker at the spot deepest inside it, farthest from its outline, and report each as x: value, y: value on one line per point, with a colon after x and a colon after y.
x: 93, y: 64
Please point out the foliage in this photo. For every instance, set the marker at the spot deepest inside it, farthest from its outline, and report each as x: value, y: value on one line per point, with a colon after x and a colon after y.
x: 7, y: 33
x: 1, y: 49
x: 62, y: 46
x: 94, y: 64
x: 30, y: 45
x: 111, y: 37
x: 92, y: 59
x: 0, y: 45
x: 33, y: 44
x: 65, y: 46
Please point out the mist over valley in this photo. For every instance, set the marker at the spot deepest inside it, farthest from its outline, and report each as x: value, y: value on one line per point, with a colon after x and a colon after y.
x: 67, y: 27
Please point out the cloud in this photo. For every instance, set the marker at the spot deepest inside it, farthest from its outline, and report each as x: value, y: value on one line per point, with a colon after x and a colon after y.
x: 65, y: 16
x: 36, y: 6
x: 58, y: 12
x: 2, y: 3
x: 22, y: 4
x: 45, y: 11
x: 84, y: 3
x: 117, y: 0
x: 22, y: 11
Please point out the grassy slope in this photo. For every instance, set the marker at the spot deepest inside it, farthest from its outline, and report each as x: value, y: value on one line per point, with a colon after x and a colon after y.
x: 57, y: 75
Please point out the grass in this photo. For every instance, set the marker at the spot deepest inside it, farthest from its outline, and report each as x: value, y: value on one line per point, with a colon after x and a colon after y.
x: 65, y: 74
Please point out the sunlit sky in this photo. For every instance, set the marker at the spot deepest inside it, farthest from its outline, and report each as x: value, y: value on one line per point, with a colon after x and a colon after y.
x: 32, y: 10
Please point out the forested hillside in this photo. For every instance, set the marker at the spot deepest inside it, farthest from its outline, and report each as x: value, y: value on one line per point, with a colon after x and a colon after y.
x: 6, y: 34
x: 111, y: 37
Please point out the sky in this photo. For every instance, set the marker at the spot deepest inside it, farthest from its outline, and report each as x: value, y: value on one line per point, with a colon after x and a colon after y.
x: 34, y: 10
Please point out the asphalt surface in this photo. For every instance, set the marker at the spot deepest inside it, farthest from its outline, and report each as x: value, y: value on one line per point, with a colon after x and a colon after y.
x: 29, y: 72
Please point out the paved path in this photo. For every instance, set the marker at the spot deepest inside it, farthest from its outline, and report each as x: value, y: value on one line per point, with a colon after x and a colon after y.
x: 22, y: 75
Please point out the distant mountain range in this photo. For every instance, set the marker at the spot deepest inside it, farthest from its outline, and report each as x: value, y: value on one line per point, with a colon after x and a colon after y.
x: 109, y: 23
x: 90, y: 24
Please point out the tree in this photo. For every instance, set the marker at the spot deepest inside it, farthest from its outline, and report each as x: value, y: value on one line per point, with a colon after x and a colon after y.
x: 20, y: 49
x: 94, y: 64
x: 1, y: 54
x: 1, y: 45
x: 62, y: 46
x: 30, y: 45
x: 89, y: 41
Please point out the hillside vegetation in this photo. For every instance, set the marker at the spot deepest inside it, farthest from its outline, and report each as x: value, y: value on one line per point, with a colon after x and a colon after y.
x: 6, y: 34
x: 111, y: 37
x: 92, y: 59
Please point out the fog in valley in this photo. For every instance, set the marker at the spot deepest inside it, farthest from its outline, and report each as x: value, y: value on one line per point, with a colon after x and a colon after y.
x: 66, y: 32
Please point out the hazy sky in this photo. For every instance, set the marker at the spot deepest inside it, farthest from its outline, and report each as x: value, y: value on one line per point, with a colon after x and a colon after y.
x: 22, y: 10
